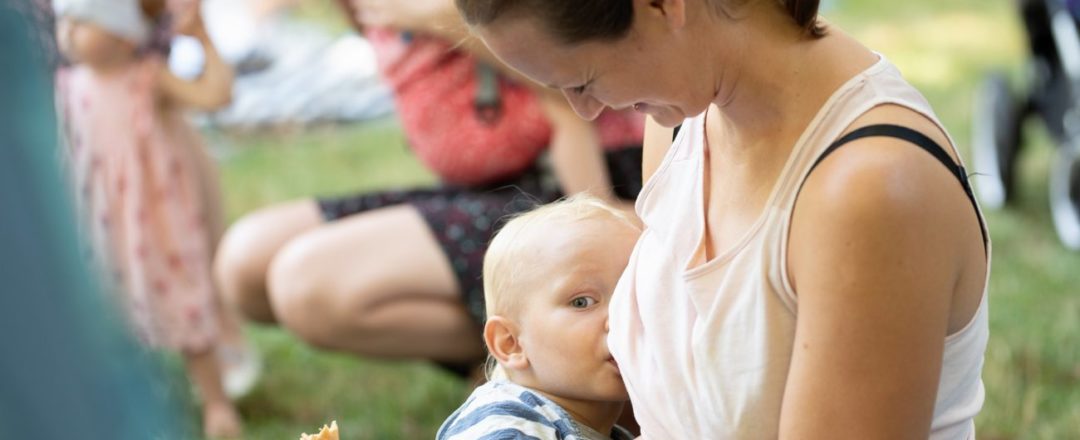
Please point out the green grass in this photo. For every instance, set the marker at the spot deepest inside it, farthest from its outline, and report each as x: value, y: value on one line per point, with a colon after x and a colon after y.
x: 1032, y: 371
x: 266, y: 167
x: 302, y: 388
x: 374, y: 400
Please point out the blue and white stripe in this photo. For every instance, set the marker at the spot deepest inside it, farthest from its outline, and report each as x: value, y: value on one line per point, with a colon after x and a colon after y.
x: 503, y: 410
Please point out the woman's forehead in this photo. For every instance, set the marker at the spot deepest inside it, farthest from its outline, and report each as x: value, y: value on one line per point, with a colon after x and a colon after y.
x: 533, y: 53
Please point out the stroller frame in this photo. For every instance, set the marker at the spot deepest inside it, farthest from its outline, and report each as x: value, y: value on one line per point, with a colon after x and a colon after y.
x: 1053, y: 96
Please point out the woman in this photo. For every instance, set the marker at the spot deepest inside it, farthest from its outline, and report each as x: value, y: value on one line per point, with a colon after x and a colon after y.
x: 808, y: 269
x: 396, y: 274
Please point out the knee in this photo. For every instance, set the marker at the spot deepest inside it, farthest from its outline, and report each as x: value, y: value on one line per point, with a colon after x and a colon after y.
x: 314, y: 298
x: 304, y: 298
x: 240, y: 269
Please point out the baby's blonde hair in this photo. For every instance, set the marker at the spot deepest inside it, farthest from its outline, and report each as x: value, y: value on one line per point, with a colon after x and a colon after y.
x: 506, y: 257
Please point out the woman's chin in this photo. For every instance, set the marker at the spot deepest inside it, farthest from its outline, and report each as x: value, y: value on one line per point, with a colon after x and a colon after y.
x: 667, y: 117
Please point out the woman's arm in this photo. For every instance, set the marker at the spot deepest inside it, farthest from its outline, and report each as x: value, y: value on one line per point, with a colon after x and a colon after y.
x: 349, y: 8
x: 877, y: 247
x: 434, y: 17
x: 438, y: 18
x: 213, y: 89
x: 576, y: 154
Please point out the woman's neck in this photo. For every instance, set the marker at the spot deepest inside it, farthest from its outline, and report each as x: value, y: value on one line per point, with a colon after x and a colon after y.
x: 775, y: 79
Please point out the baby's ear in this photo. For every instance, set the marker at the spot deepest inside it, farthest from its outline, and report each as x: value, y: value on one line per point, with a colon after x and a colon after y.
x: 501, y: 337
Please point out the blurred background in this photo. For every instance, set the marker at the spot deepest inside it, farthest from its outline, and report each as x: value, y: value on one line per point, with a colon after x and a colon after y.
x: 325, y: 143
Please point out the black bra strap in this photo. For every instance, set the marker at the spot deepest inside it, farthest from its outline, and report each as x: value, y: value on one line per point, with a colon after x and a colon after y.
x: 920, y: 140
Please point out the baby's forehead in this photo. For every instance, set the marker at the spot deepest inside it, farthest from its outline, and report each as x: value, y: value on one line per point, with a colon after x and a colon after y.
x: 577, y: 233
x: 577, y: 245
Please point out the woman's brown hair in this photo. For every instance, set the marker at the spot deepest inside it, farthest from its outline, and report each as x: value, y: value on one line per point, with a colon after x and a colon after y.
x: 576, y: 21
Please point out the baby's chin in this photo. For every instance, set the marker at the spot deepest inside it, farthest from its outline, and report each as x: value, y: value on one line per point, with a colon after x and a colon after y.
x: 621, y: 396
x: 614, y: 393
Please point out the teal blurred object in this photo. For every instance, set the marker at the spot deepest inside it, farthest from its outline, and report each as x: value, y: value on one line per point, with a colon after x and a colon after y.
x: 68, y: 370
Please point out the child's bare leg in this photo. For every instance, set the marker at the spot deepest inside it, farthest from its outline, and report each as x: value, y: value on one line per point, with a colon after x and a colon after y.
x: 239, y: 362
x: 220, y: 419
x: 210, y: 188
x: 228, y: 323
x: 237, y: 353
x: 214, y: 212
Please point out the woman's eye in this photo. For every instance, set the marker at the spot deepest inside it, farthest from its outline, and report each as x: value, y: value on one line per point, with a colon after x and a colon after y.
x: 582, y: 302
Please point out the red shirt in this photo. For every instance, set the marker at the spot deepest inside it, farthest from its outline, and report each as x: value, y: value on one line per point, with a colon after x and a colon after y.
x: 435, y: 89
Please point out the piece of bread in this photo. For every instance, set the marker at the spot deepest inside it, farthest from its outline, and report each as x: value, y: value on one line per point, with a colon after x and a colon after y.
x: 327, y: 433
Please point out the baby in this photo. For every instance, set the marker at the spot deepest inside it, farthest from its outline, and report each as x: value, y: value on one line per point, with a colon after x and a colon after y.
x: 548, y: 277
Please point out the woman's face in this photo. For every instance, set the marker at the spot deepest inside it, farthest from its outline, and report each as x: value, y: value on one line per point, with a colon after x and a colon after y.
x: 645, y: 70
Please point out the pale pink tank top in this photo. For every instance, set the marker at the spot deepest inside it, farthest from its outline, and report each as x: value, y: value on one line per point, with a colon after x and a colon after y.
x: 705, y: 350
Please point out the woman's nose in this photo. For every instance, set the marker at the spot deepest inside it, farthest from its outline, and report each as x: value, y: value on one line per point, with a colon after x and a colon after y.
x: 587, y: 107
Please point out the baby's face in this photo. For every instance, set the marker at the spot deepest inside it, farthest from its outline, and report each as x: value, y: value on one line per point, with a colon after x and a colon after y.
x: 84, y: 42
x: 563, y: 321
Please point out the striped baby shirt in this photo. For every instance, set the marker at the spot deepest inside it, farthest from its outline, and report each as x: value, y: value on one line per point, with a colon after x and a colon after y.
x: 503, y: 410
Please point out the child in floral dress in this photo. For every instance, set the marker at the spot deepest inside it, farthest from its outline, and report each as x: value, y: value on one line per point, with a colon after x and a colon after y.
x: 139, y: 182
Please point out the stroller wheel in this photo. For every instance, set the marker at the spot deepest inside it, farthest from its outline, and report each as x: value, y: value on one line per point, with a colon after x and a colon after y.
x: 1065, y: 196
x: 995, y: 140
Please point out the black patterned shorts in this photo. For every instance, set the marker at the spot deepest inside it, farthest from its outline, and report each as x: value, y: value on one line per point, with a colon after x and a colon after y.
x: 464, y: 219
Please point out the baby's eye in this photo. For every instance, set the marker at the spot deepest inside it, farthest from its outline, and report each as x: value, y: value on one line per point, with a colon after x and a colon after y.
x: 582, y: 302
x: 578, y: 90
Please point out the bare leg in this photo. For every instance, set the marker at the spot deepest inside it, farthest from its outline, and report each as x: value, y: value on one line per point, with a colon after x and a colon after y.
x: 374, y: 284
x: 214, y: 212
x: 210, y: 187
x: 220, y: 418
x: 238, y: 361
x: 245, y: 252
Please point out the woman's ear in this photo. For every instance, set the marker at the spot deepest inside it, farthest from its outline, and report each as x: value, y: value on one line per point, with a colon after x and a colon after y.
x: 673, y: 12
x: 501, y: 337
